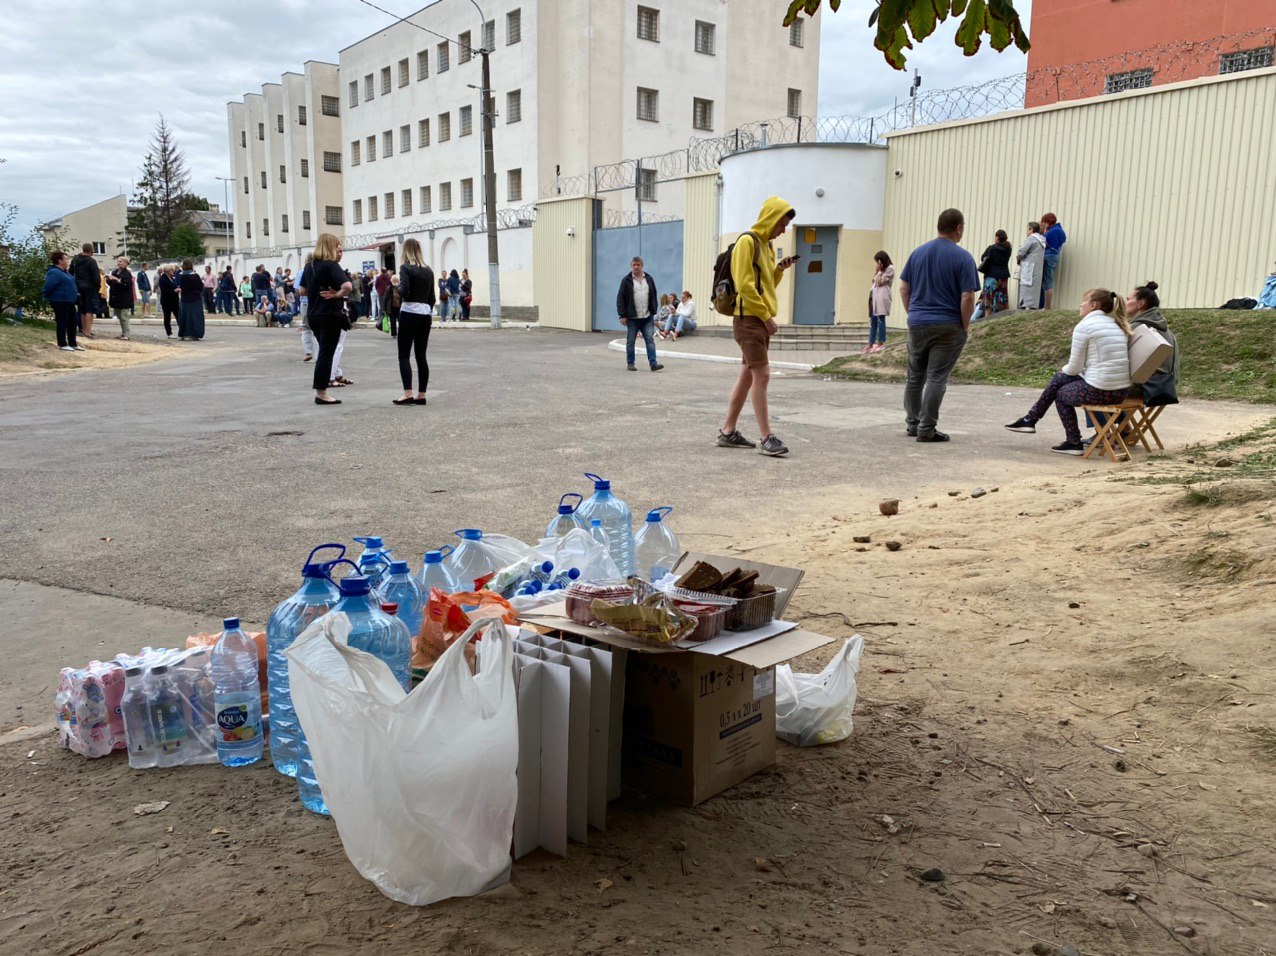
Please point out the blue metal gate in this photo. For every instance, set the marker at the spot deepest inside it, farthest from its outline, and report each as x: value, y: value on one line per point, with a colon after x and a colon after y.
x: 660, y: 246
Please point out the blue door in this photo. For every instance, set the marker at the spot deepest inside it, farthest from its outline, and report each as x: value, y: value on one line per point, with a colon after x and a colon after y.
x: 660, y: 246
x: 816, y: 276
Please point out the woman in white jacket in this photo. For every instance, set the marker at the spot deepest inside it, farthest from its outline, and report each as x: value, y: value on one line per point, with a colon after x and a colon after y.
x: 1097, y: 373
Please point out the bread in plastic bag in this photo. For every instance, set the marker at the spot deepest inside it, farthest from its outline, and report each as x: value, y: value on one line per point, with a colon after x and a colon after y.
x: 421, y: 785
x: 813, y: 709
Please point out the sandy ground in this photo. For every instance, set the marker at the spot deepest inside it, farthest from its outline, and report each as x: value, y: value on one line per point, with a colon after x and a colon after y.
x: 1058, y: 705
x: 104, y: 352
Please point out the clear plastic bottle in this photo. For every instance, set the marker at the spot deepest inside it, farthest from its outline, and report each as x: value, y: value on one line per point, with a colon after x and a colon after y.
x: 468, y: 561
x: 313, y: 600
x: 567, y: 519
x: 599, y: 533
x: 237, y: 693
x: 374, y: 631
x: 617, y: 520
x: 135, y: 708
x: 435, y: 573
x: 656, y: 549
x: 401, y: 636
x: 168, y: 718
x: 374, y: 562
x: 404, y: 590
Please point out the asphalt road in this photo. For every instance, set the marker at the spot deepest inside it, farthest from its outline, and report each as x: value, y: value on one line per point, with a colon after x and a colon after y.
x: 200, y: 483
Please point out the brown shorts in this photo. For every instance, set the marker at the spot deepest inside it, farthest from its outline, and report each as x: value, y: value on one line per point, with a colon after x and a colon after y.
x: 754, y: 340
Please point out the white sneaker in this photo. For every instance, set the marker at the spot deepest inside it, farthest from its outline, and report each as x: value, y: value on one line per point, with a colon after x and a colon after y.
x: 66, y: 348
x: 78, y: 348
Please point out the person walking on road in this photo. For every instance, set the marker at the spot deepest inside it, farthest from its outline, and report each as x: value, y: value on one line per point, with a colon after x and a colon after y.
x: 88, y: 280
x: 637, y: 305
x: 937, y: 288
x: 416, y: 289
x: 326, y: 286
x: 120, y: 283
x: 60, y: 292
x: 755, y: 274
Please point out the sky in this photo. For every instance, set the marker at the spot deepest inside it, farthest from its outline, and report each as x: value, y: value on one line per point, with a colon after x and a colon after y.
x: 84, y: 81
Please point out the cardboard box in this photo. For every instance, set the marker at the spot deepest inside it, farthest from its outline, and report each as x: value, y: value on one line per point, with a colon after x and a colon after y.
x: 698, y: 720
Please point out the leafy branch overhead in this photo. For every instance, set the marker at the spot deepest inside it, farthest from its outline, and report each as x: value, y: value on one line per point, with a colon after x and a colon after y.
x: 903, y: 23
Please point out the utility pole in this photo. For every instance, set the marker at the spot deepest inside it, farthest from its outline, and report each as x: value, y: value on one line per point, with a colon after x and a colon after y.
x: 230, y: 241
x: 489, y: 192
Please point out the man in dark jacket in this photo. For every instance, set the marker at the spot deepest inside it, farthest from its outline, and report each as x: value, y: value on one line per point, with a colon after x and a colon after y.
x: 88, y: 282
x: 636, y: 306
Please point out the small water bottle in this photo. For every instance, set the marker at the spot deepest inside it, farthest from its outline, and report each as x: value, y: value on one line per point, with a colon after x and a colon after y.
x: 135, y: 708
x: 168, y: 718
x: 435, y: 574
x: 656, y: 550
x: 402, y: 589
x: 566, y: 520
x: 237, y: 693
x: 599, y: 533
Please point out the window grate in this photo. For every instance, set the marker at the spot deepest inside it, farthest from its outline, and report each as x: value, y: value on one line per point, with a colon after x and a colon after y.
x: 406, y: 202
x: 514, y: 106
x: 301, y: 116
x: 354, y: 153
x: 1259, y: 59
x: 423, y: 133
x: 387, y: 144
x: 389, y: 205
x: 445, y: 197
x: 514, y: 185
x: 795, y: 103
x: 385, y: 81
x: 647, y: 186
x: 797, y: 33
x: 405, y: 138
x: 354, y: 92
x: 332, y: 161
x: 423, y: 65
x: 442, y: 58
x: 329, y: 106
x: 305, y: 219
x: 467, y: 193
x: 332, y: 215
x: 466, y: 42
x: 648, y: 105
x: 513, y: 27
x: 1133, y: 80
x: 702, y: 114
x: 425, y: 199
x: 404, y: 73
x: 705, y: 37
x: 467, y: 120
x: 445, y: 127
x: 305, y: 169
x: 356, y: 212
x: 648, y: 24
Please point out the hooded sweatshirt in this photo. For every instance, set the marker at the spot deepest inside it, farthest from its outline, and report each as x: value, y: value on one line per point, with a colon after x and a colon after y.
x: 753, y: 266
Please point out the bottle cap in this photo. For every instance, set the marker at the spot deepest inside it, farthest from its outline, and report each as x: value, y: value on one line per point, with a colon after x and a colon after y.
x: 655, y: 514
x: 469, y: 534
x: 159, y: 670
x: 230, y: 624
x: 595, y: 522
x: 371, y: 542
x: 564, y: 508
x: 398, y: 567
x: 355, y: 585
x: 434, y: 557
x: 390, y: 607
x: 547, y: 566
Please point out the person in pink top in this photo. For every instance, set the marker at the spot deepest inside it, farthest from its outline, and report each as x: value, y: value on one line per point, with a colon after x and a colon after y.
x: 210, y: 286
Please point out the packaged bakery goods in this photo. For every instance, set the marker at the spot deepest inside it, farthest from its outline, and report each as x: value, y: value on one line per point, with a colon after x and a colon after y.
x: 654, y: 619
x: 581, y: 596
x: 748, y: 604
x: 710, y: 620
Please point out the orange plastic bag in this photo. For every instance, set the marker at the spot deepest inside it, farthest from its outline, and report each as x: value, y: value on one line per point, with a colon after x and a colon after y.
x: 259, y: 638
x: 447, y: 616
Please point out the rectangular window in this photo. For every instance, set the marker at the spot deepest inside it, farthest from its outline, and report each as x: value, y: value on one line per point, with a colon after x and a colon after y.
x: 648, y: 105
x: 387, y: 144
x: 265, y: 227
x: 513, y: 27
x: 248, y: 233
x: 795, y: 103
x: 467, y: 120
x: 305, y: 169
x: 514, y: 185
x: 356, y: 212
x: 404, y: 72
x: 648, y: 24
x: 445, y: 127
x: 405, y: 200
x: 332, y: 215
x: 245, y: 184
x: 513, y: 106
x: 796, y: 29
x: 423, y: 65
x: 489, y: 36
x: 423, y: 133
x: 354, y: 92
x: 370, y: 148
x: 1259, y: 59
x: 99, y: 248
x: 243, y: 137
x: 1134, y: 80
x: 385, y: 81
x: 647, y: 186
x: 329, y: 106
x: 442, y: 58
x: 279, y: 122
x: 465, y: 55
x: 702, y: 114
x: 389, y: 205
x: 405, y: 138
x: 305, y: 219
x: 301, y: 116
x: 283, y: 173
x: 705, y: 37
x: 283, y: 223
x: 354, y: 153
x: 425, y: 199
x: 261, y: 130
x: 331, y: 162
x: 372, y: 209
x: 263, y: 179
x: 369, y: 90
x: 445, y: 197
x: 467, y: 193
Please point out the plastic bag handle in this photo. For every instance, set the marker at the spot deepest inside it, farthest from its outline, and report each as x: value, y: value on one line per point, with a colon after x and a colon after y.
x: 324, y: 547
x: 572, y: 494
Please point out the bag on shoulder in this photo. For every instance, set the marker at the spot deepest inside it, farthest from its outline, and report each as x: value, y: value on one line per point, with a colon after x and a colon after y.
x: 725, y: 295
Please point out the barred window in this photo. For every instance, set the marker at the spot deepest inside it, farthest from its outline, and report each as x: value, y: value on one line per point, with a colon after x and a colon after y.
x: 372, y: 209
x: 796, y: 30
x: 370, y: 147
x: 1258, y: 59
x: 305, y: 219
x: 705, y: 37
x: 279, y: 122
x: 514, y: 185
x: 389, y: 205
x: 332, y: 215
x: 329, y: 106
x: 513, y: 106
x: 425, y: 199
x: 301, y: 116
x: 263, y: 179
x: 445, y: 127
x: 404, y: 76
x: 265, y: 227
x: 245, y: 184
x: 467, y: 120
x: 406, y: 202
x: 513, y: 27
x: 467, y: 193
x: 369, y: 90
x: 283, y: 173
x: 423, y: 65
x: 305, y: 169
x: 648, y: 105
x: 445, y: 197
x: 248, y: 233
x: 442, y: 58
x: 331, y: 162
x: 489, y: 35
x: 354, y: 153
x: 387, y: 144
x: 356, y: 212
x: 465, y: 54
x: 283, y: 222
x: 648, y: 24
x: 385, y: 80
x: 261, y: 130
x: 243, y: 137
x: 647, y: 186
x: 354, y: 92
x: 702, y: 113
x: 423, y: 133
x: 795, y: 103
x: 1133, y: 80
x: 405, y: 138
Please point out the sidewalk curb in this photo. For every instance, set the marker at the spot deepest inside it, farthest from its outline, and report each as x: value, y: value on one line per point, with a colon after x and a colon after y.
x: 618, y: 345
x: 151, y: 322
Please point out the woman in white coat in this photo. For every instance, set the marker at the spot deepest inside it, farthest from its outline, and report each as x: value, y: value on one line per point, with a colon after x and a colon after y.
x: 1097, y: 373
x: 1032, y: 263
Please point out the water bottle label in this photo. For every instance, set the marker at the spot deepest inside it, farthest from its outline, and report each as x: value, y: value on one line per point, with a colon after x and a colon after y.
x: 236, y: 725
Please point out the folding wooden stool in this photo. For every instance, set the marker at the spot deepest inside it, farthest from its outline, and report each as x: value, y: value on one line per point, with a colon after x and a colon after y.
x: 1142, y: 420
x: 1107, y: 430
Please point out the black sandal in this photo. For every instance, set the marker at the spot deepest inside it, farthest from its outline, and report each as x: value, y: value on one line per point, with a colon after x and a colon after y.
x: 403, y: 401
x: 331, y: 401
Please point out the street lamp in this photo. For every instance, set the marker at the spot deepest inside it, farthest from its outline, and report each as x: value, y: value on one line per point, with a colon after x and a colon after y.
x: 226, y: 181
x: 488, y: 112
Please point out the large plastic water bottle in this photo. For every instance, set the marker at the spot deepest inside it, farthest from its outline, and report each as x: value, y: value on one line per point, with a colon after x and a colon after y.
x: 374, y: 562
x: 135, y: 708
x: 567, y: 519
x: 168, y: 718
x: 468, y: 561
x: 374, y: 631
x: 617, y: 520
x: 237, y: 693
x: 313, y: 600
x: 435, y: 573
x: 656, y: 550
x: 402, y: 635
x: 402, y: 589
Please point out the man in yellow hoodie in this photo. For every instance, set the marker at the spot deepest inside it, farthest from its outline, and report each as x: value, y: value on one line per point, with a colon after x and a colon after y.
x: 756, y: 274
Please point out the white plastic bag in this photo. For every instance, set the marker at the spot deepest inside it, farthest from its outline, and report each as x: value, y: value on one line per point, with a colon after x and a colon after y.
x: 421, y: 785
x: 813, y: 709
x: 577, y: 549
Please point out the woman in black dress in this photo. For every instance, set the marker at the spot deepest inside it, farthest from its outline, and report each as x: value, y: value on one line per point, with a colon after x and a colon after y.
x: 190, y: 320
x: 326, y: 286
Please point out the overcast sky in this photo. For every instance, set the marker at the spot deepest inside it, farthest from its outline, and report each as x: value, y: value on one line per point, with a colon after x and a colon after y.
x: 84, y: 81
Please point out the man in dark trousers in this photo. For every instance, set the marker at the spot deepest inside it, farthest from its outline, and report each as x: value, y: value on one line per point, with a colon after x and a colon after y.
x: 636, y: 306
x: 88, y: 283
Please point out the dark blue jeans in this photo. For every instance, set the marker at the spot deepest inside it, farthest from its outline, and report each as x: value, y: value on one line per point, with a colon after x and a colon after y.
x: 632, y: 328
x: 877, y: 329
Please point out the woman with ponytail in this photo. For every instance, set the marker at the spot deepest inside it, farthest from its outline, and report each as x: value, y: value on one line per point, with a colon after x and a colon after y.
x: 1097, y: 371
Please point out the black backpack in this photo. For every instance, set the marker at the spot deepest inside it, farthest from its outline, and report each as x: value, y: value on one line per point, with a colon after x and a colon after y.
x: 725, y: 294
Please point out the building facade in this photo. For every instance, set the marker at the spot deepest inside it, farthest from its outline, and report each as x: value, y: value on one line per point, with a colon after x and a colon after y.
x: 1083, y: 48
x: 105, y: 225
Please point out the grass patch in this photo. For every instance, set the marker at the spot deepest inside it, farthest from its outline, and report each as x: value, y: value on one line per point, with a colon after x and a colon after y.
x: 17, y: 342
x: 1265, y: 740
x: 1225, y: 354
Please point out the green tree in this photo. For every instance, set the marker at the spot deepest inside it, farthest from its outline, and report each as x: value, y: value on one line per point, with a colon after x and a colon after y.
x: 161, y: 200
x: 198, y: 203
x: 183, y: 243
x: 903, y: 23
x: 23, y: 262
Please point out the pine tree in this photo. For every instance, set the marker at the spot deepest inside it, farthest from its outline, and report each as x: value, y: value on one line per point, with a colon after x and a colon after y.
x: 160, y: 202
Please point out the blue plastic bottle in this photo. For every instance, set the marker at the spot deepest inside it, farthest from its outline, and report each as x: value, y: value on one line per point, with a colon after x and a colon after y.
x: 435, y: 574
x: 374, y: 562
x: 468, y: 561
x: 567, y: 519
x: 237, y: 694
x: 617, y: 520
x: 656, y: 549
x: 312, y: 601
x: 404, y: 590
x: 372, y: 630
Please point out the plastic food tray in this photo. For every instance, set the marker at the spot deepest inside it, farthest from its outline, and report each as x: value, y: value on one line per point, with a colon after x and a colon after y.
x: 710, y: 620
x: 743, y: 614
x: 580, y: 599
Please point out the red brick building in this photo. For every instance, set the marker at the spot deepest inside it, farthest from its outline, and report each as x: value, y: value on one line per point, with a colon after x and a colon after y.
x: 1086, y: 48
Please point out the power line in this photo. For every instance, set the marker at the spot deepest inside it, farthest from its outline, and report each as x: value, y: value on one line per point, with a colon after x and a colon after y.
x: 399, y: 19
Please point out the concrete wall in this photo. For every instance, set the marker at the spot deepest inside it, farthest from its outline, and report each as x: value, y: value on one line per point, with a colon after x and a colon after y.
x: 1174, y: 184
x: 563, y: 265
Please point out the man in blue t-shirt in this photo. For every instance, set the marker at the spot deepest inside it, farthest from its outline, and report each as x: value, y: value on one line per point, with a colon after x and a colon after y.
x: 938, y: 288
